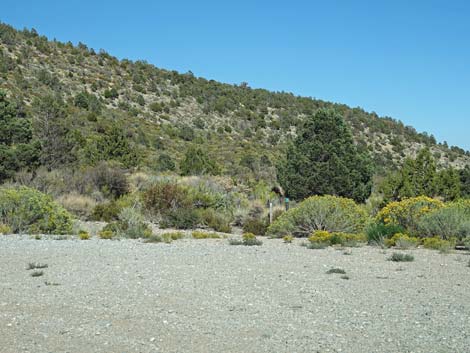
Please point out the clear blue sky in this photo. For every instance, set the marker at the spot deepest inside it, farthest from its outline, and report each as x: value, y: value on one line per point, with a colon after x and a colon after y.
x: 406, y: 59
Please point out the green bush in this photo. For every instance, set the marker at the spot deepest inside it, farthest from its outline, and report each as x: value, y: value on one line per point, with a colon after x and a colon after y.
x: 131, y: 224
x: 83, y: 235
x: 453, y: 220
x: 106, y: 234
x: 324, y: 238
x: 377, y: 232
x: 256, y: 226
x: 4, y: 229
x: 27, y: 210
x: 216, y: 221
x: 331, y: 213
x: 166, y: 195
x: 250, y: 239
x: 107, y: 212
x: 437, y: 243
x: 182, y: 218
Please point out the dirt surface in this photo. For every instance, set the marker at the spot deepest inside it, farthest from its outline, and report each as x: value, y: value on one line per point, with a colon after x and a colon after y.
x: 208, y: 296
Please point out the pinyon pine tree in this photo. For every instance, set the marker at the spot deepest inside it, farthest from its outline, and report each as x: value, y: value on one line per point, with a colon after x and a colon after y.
x: 323, y: 159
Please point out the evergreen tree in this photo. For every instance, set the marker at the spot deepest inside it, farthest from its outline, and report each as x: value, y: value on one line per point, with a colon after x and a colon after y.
x: 465, y: 182
x: 197, y: 162
x: 17, y: 149
x: 115, y: 145
x: 52, y: 129
x: 323, y: 159
x: 419, y: 177
x: 448, y: 184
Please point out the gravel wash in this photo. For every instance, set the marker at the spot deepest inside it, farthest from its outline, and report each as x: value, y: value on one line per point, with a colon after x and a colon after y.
x: 208, y: 296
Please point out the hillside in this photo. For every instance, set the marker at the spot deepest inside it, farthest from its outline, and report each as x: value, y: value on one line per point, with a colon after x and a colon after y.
x: 164, y: 112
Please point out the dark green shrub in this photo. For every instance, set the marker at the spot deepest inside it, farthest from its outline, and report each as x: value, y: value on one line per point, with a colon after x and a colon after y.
x: 27, y: 210
x: 377, y: 232
x: 336, y: 270
x: 181, y: 218
x: 197, y: 162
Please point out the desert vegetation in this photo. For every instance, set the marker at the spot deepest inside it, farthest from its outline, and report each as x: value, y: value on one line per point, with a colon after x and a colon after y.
x: 158, y: 155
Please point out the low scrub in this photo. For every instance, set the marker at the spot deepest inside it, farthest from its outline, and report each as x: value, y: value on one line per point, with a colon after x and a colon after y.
x: 248, y: 239
x: 205, y: 235
x: 106, y: 234
x: 378, y: 232
x: 329, y: 213
x: 436, y: 243
x: 256, y: 226
x: 288, y: 239
x: 322, y: 238
x: 81, y: 206
x: 27, y: 210
x: 4, y: 229
x: 452, y: 220
x: 402, y: 241
x: 83, y: 235
x: 401, y: 257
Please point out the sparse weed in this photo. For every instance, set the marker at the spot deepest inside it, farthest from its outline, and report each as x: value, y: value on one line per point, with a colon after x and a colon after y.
x: 401, y: 257
x: 154, y: 238
x: 234, y: 241
x: 37, y: 273
x: 288, y: 239
x: 36, y: 265
x: 106, y: 234
x: 316, y: 246
x: 344, y: 277
x: 51, y: 283
x: 336, y: 270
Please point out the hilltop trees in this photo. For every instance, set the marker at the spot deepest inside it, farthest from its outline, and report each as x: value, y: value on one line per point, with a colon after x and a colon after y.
x: 420, y: 177
x: 323, y: 159
x: 17, y: 150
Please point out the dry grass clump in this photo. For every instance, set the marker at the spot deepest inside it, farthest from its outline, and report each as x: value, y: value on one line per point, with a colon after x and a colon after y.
x: 80, y: 205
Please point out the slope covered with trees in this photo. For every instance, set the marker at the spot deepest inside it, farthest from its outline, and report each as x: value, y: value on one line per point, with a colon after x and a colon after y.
x: 74, y: 106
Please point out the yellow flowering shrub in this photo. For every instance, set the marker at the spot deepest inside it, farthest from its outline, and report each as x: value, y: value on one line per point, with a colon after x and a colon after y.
x: 320, y: 236
x: 408, y: 212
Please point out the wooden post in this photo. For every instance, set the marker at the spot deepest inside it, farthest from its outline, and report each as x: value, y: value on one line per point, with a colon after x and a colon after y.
x: 270, y: 212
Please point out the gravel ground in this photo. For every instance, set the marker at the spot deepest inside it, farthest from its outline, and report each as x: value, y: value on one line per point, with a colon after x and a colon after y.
x: 207, y: 296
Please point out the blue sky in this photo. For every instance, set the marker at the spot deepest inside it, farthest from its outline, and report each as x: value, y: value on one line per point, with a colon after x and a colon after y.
x: 406, y: 59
